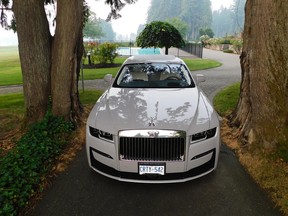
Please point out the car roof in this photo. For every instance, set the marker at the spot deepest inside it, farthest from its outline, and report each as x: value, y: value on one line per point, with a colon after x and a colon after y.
x: 153, y: 59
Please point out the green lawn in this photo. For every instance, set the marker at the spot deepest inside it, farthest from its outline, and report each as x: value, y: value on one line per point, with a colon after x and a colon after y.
x: 193, y: 64
x: 10, y: 70
x: 11, y: 112
x: 12, y: 108
x: 201, y: 64
x: 15, y: 101
x: 226, y: 100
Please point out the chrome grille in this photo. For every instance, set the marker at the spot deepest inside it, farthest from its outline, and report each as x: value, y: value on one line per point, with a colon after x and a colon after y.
x: 152, y: 149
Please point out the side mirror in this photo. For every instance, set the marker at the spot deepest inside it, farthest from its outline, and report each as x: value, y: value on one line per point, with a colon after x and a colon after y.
x: 108, y: 78
x: 200, y: 78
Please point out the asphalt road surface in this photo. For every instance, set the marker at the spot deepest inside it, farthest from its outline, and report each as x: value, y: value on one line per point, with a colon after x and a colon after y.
x: 227, y: 191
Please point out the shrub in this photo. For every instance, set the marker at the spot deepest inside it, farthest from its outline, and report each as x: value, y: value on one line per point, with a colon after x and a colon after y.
x: 125, y: 44
x: 206, y: 31
x: 204, y: 40
x: 22, y: 169
x: 228, y: 51
x: 90, y: 52
x: 225, y: 41
x: 106, y: 52
x: 237, y: 45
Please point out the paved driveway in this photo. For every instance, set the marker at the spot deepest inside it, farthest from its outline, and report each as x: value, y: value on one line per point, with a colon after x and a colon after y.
x: 217, y: 78
x: 226, y: 191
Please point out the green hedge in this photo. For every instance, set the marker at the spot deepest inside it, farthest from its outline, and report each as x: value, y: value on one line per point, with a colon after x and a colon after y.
x: 23, y: 168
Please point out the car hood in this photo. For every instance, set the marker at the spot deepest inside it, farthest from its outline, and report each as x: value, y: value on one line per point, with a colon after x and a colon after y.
x: 173, y: 109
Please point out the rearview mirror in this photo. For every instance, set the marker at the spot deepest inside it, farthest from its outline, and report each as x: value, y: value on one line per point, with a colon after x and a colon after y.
x: 108, y: 78
x: 200, y: 78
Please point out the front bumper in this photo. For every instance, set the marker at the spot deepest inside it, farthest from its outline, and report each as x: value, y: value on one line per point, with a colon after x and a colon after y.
x: 167, y: 178
x: 201, y: 159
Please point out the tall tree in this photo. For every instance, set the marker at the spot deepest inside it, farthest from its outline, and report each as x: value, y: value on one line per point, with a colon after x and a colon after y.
x: 93, y: 27
x: 262, y: 113
x: 180, y: 25
x: 162, y: 10
x: 67, y: 50
x: 35, y: 55
x: 140, y: 28
x: 51, y: 63
x: 222, y: 22
x: 197, y: 14
x: 238, y: 15
x: 108, y: 33
x: 229, y: 21
x: 154, y: 13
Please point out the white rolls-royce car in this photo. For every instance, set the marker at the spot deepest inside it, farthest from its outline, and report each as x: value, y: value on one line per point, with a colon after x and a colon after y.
x: 153, y: 124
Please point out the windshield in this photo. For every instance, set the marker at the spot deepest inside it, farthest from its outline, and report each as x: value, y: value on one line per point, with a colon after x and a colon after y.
x: 154, y: 75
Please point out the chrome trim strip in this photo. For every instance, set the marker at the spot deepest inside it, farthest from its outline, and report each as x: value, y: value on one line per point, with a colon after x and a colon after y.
x: 153, y: 133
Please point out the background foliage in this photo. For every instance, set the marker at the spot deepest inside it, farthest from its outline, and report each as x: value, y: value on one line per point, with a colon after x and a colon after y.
x: 229, y: 21
x: 199, y: 15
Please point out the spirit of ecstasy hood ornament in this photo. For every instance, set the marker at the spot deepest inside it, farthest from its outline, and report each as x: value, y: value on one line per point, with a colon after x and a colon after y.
x: 151, y: 123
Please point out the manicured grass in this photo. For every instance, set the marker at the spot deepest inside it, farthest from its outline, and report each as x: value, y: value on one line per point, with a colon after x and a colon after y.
x: 201, y: 64
x: 11, y: 112
x: 193, y: 64
x: 99, y: 73
x: 15, y: 101
x: 12, y: 101
x: 10, y: 70
x: 226, y: 100
x: 12, y: 108
x: 89, y: 97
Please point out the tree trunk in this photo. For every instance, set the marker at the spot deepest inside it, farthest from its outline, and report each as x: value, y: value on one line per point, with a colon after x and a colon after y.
x: 262, y: 112
x: 34, y: 50
x: 65, y: 53
x: 166, y: 50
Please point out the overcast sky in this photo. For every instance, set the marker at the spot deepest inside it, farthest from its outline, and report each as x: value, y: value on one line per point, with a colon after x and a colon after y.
x: 132, y: 16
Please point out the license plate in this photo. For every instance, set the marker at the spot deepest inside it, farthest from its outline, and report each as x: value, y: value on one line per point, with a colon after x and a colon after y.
x: 158, y: 169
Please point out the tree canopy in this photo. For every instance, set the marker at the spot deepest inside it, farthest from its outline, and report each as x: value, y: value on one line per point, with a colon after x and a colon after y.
x: 206, y: 31
x: 93, y: 28
x: 160, y: 34
x: 199, y: 15
x: 229, y: 21
x: 180, y: 25
x: 196, y: 14
x: 108, y: 33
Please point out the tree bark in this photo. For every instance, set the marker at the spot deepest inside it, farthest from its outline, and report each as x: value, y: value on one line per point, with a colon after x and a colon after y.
x: 65, y: 53
x: 34, y: 50
x: 166, y: 50
x: 50, y: 66
x: 262, y: 112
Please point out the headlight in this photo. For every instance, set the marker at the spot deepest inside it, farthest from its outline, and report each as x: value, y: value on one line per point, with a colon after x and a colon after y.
x: 101, y: 134
x: 203, y: 135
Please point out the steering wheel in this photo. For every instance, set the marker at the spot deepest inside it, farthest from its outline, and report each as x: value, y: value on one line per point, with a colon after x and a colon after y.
x: 172, y: 78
